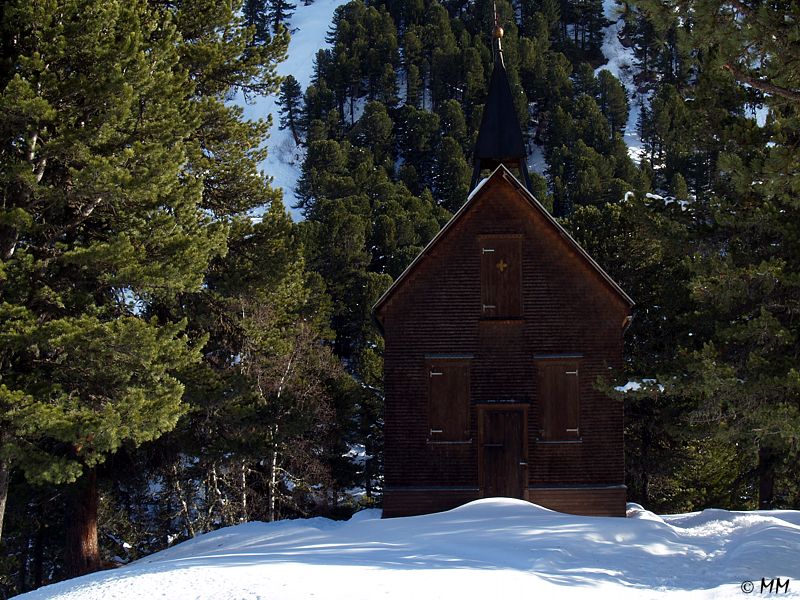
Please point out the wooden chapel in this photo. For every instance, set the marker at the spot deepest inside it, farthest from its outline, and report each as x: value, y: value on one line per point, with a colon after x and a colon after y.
x: 495, y: 336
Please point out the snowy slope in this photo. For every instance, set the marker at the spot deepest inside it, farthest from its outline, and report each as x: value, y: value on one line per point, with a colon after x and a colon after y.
x: 308, y: 27
x: 621, y: 65
x: 493, y: 548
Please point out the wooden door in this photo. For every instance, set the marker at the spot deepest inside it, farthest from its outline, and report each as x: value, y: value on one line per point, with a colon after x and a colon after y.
x: 504, y: 460
x: 448, y: 400
x: 501, y: 276
x: 559, y: 404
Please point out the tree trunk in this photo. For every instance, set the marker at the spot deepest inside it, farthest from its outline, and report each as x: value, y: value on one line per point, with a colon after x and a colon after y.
x: 244, y: 516
x: 645, y: 462
x: 273, y: 480
x: 38, y: 551
x: 82, y: 551
x: 766, y: 478
x: 22, y: 557
x: 5, y: 472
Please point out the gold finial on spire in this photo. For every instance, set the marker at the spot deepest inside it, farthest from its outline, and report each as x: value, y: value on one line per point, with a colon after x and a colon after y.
x: 497, y: 36
x: 497, y: 32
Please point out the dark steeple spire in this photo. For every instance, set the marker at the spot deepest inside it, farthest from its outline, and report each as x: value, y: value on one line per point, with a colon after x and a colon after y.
x: 500, y: 137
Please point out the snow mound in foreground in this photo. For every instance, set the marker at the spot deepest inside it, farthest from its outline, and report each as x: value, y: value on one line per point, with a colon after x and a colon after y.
x: 489, y: 548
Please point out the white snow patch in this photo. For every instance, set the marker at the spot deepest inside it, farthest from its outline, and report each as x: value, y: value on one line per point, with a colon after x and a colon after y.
x: 637, y: 511
x: 621, y: 64
x: 536, y: 162
x: 357, y: 453
x: 635, y: 386
x: 760, y: 114
x: 477, y: 187
x: 683, y: 204
x: 491, y: 548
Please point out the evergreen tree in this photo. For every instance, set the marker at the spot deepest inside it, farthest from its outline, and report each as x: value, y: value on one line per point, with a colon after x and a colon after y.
x: 645, y: 49
x: 613, y: 100
x: 453, y: 124
x: 104, y: 155
x: 374, y: 131
x: 132, y: 151
x: 451, y: 175
x: 255, y: 16
x: 585, y: 80
x: 442, y: 54
x: 416, y: 137
x: 278, y: 13
x: 290, y: 101
x: 739, y: 370
x: 262, y: 405
x: 412, y: 63
x: 755, y: 44
x: 318, y: 103
x: 473, y: 80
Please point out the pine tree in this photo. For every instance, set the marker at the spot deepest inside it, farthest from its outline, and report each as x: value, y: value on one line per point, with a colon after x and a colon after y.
x: 290, y: 101
x: 416, y: 139
x: 473, y: 80
x: 266, y: 365
x: 613, y: 100
x: 135, y: 163
x: 453, y: 124
x: 278, y: 13
x: 255, y: 16
x: 739, y: 368
x: 442, y: 54
x: 755, y: 44
x: 451, y: 175
x: 585, y: 80
x: 413, y: 86
x: 645, y: 49
x: 412, y: 63
x: 374, y: 131
x: 103, y: 158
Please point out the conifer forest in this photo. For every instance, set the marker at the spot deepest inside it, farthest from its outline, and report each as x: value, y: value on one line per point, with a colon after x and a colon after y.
x: 178, y: 354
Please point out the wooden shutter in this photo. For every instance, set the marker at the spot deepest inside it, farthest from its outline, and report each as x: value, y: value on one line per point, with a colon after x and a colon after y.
x: 448, y: 394
x: 501, y: 276
x: 559, y: 384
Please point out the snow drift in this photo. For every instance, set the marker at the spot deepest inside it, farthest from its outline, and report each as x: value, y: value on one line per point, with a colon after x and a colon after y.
x: 486, y: 549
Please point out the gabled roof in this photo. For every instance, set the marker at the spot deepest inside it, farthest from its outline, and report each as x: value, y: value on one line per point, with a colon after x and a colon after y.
x: 500, y: 171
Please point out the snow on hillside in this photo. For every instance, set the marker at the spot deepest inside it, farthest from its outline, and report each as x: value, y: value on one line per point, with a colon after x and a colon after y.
x: 308, y: 27
x: 621, y: 65
x: 492, y: 548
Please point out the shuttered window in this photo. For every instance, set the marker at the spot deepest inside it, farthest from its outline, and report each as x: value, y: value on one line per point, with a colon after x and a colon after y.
x: 448, y: 395
x: 559, y: 383
x: 501, y: 276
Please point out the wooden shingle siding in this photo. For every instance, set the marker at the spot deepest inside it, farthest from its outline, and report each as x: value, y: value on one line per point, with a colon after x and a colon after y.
x: 567, y: 308
x: 404, y: 502
x: 600, y: 502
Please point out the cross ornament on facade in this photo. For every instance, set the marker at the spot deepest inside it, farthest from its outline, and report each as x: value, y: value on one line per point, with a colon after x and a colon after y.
x: 502, y: 265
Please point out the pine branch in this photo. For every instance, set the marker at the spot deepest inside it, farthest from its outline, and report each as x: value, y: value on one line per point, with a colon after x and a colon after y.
x: 762, y: 85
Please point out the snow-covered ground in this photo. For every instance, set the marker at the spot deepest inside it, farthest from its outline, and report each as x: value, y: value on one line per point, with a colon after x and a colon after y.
x: 308, y: 27
x: 493, y: 548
